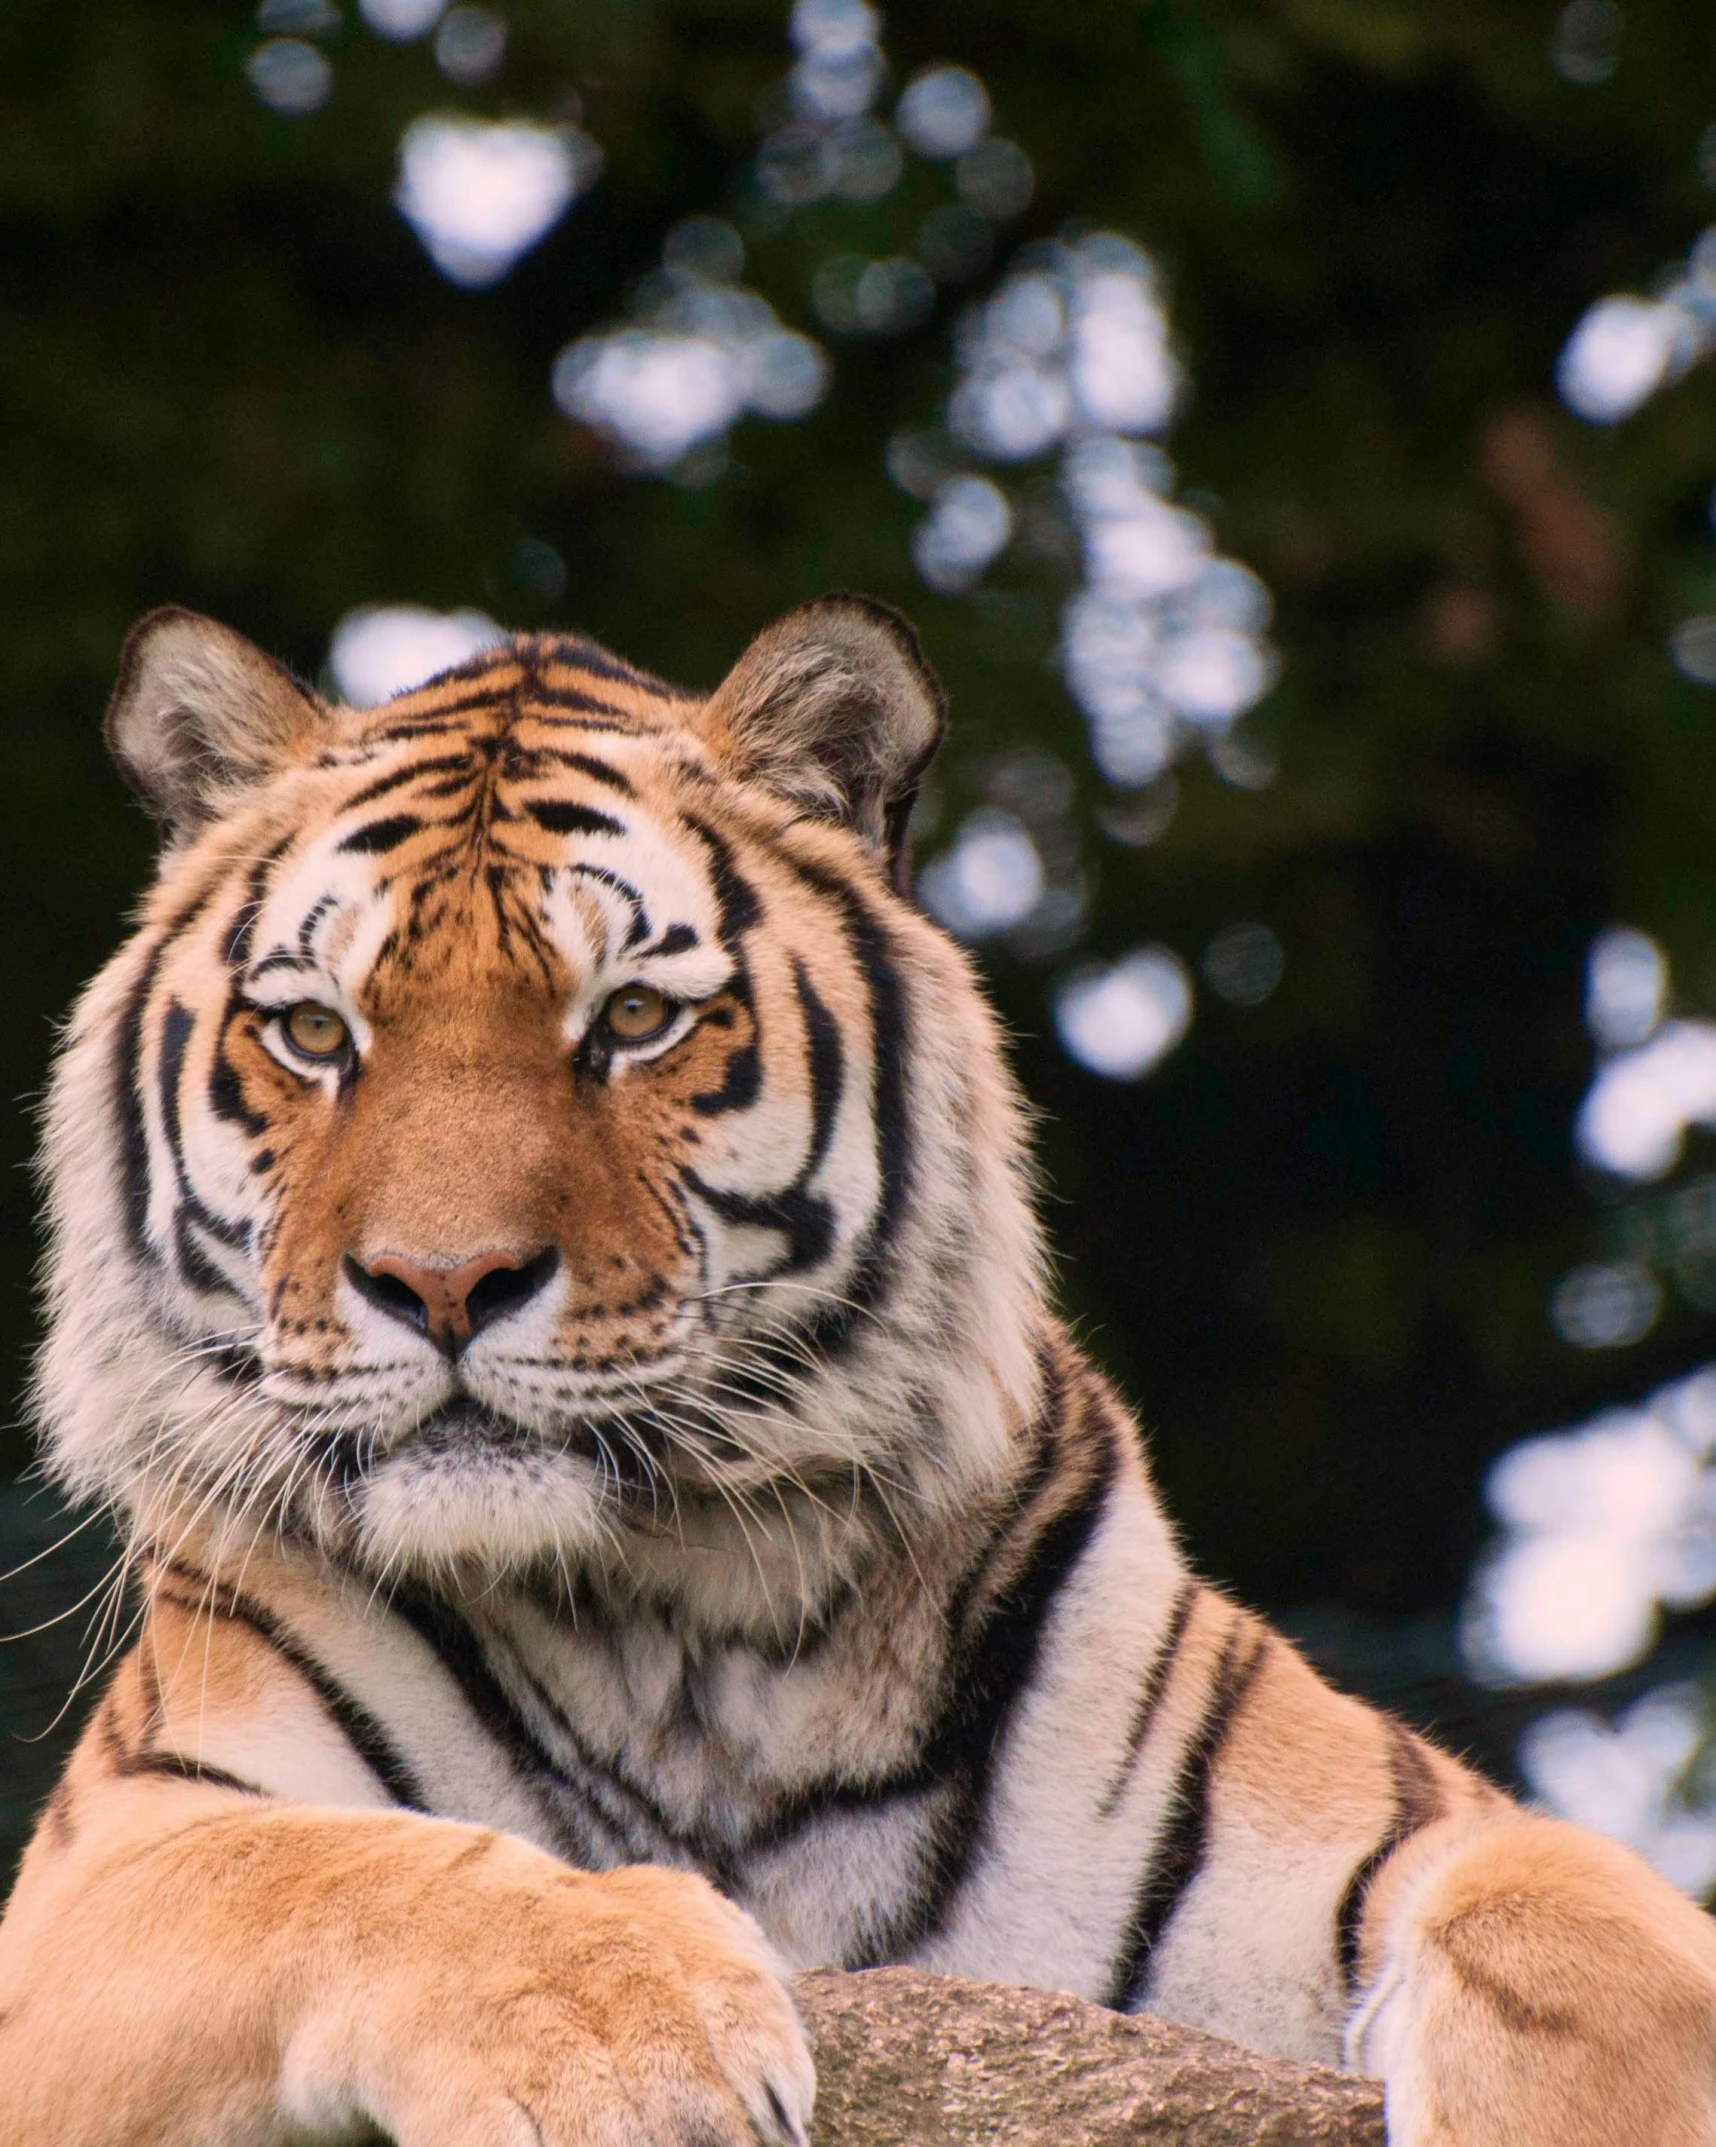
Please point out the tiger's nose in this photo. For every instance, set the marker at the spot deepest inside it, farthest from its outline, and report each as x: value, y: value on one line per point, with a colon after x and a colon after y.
x: 451, y: 1305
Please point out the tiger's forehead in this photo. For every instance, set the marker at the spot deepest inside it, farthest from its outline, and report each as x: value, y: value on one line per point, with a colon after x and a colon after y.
x: 532, y: 811
x: 536, y: 682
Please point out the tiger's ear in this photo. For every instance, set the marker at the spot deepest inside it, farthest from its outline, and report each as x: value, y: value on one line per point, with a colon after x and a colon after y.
x: 835, y: 708
x: 199, y: 714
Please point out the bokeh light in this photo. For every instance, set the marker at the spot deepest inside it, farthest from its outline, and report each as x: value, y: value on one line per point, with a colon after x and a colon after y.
x: 297, y: 18
x: 1626, y: 987
x: 1634, y: 1118
x: 1121, y: 1020
x: 988, y: 879
x: 857, y: 296
x: 701, y: 352
x: 480, y: 195
x: 1625, y: 347
x: 1692, y: 646
x: 944, y: 112
x: 1627, y: 1780
x: 290, y: 76
x: 470, y: 45
x: 1165, y: 642
x: 1604, y: 1524
x: 1584, y: 48
x: 1607, y: 1304
x: 1244, y: 964
x: 401, y: 20
x: 379, y: 650
x: 968, y: 525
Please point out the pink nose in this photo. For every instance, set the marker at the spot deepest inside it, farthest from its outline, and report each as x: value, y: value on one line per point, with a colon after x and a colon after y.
x: 451, y: 1304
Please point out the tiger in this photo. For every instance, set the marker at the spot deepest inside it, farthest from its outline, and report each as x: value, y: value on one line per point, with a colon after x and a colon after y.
x: 544, y: 1266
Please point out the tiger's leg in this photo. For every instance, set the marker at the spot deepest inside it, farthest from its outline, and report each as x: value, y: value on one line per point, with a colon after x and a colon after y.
x: 1536, y: 1986
x: 183, y: 1962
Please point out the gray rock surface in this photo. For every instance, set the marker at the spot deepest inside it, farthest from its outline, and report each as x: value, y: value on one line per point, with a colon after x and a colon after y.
x: 910, y: 2060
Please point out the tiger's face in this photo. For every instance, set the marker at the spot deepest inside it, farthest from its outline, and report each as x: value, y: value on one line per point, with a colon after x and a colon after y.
x: 527, y: 1117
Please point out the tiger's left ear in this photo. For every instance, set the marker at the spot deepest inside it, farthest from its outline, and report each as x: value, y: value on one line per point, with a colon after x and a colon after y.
x: 199, y: 714
x: 835, y: 708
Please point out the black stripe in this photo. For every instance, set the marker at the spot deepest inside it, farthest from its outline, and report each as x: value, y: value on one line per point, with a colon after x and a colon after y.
x: 578, y: 702
x: 460, y: 1654
x: 491, y: 673
x: 627, y: 893
x: 1045, y: 1442
x: 128, y: 1105
x: 396, y: 778
x: 735, y: 898
x: 617, y: 1804
x: 586, y: 764
x: 379, y: 836
x: 226, y: 1096
x: 740, y: 1084
x: 128, y: 1081
x: 831, y: 1326
x: 804, y: 1219
x: 1180, y: 1854
x: 1416, y: 1805
x: 1150, y: 1695
x: 178, y: 1769
x: 176, y: 1027
x: 617, y: 725
x: 357, y: 1725
x: 827, y: 1068
x: 677, y: 939
x: 990, y: 1683
x: 577, y: 654
x: 919, y: 1776
x: 242, y: 931
x: 560, y: 816
x: 442, y: 723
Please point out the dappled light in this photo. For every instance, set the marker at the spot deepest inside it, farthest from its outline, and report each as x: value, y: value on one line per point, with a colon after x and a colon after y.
x: 701, y: 352
x: 1165, y: 641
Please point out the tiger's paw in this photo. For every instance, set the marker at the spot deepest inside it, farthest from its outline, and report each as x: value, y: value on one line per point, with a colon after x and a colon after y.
x: 532, y: 2006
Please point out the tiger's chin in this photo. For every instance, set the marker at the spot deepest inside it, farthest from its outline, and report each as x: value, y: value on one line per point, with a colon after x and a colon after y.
x: 477, y: 1492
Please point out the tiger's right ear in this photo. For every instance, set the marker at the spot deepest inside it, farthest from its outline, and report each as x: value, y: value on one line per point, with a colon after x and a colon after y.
x: 199, y: 715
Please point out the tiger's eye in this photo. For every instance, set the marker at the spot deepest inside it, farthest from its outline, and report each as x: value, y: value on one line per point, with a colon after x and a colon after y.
x: 636, y: 1012
x: 315, y: 1031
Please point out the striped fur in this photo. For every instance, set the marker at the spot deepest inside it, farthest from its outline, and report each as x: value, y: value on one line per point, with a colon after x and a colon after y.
x: 767, y: 1531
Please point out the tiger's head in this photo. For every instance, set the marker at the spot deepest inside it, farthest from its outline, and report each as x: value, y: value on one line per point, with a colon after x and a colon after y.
x: 529, y: 1122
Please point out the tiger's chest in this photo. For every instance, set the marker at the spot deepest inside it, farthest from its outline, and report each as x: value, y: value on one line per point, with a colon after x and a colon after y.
x: 797, y: 1780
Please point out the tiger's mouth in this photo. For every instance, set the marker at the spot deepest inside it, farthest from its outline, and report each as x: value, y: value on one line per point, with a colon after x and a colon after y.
x: 463, y: 1423
x: 633, y: 1449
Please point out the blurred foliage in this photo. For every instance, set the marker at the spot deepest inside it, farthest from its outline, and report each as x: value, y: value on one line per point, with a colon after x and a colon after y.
x: 1318, y: 1243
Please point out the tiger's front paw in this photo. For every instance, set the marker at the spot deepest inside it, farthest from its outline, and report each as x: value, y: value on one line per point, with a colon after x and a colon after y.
x: 531, y: 2006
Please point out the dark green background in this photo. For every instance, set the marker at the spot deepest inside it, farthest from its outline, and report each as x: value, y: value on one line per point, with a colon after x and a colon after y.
x: 1319, y: 1242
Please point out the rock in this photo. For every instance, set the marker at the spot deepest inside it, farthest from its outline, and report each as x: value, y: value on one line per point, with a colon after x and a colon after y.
x: 910, y: 2060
